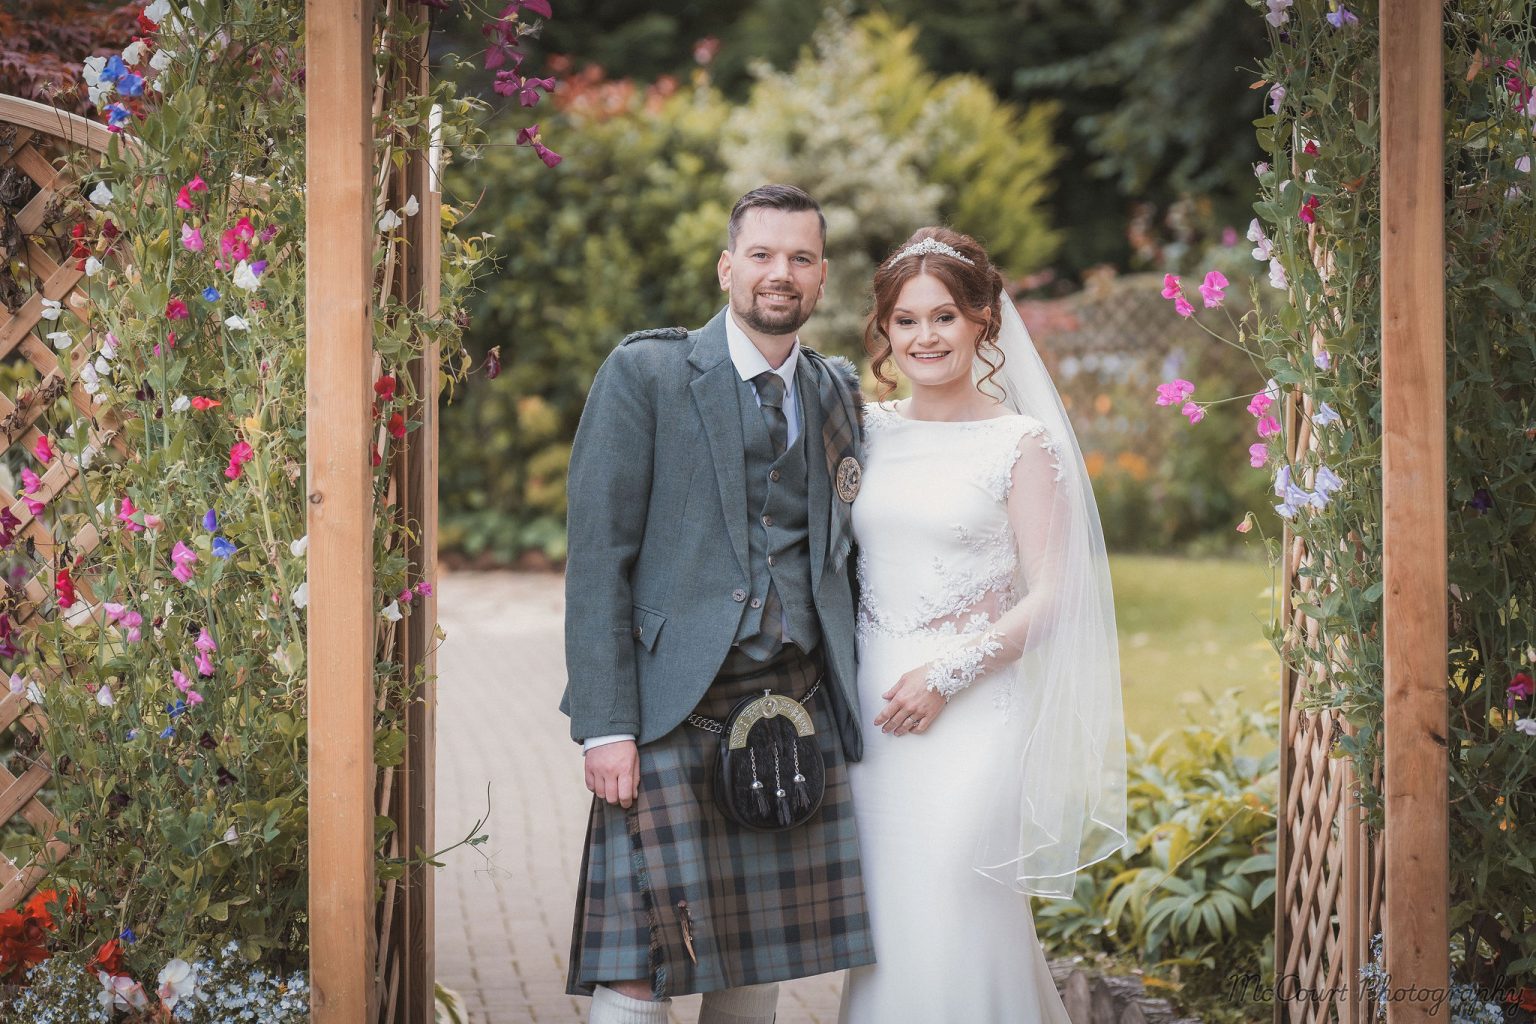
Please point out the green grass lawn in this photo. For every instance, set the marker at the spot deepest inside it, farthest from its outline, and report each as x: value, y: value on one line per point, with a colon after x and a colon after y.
x: 1187, y: 625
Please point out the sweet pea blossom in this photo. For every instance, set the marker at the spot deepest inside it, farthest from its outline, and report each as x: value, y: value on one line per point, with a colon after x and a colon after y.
x: 185, y: 558
x: 42, y: 448
x: 1194, y: 410
x: 1171, y: 289
x: 177, y: 981
x: 1259, y: 404
x: 1342, y: 18
x: 101, y: 195
x: 125, y: 513
x: 1182, y: 307
x: 93, y: 266
x: 1213, y: 289
x: 1277, y: 277
x: 239, y: 454
x: 300, y: 546
x: 1174, y: 392
x: 52, y: 309
x: 223, y: 548
x: 1277, y: 15
x: 245, y: 278
x: 389, y: 221
x: 1520, y: 686
x: 1258, y: 455
x: 1322, y: 360
x: 176, y: 309
x: 1276, y: 97
x: 237, y: 323
x: 391, y: 611
x: 120, y: 992
x: 1268, y: 426
x: 204, y: 641
x: 1526, y: 726
x: 1325, y: 415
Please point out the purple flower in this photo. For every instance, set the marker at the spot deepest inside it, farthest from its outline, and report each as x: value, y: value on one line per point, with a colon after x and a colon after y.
x: 223, y: 548
x: 131, y: 85
x: 1342, y: 18
x: 1482, y: 501
x: 210, y: 521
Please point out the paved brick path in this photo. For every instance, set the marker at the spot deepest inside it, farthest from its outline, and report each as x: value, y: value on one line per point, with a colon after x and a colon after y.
x: 504, y: 908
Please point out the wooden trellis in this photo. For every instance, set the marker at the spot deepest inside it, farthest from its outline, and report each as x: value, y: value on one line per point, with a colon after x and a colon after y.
x: 35, y: 265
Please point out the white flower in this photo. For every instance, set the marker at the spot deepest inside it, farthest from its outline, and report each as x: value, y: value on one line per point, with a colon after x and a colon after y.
x: 61, y: 339
x: 1530, y: 655
x: 1523, y: 165
x: 92, y: 266
x: 1263, y: 249
x: 178, y: 980
x: 182, y: 404
x: 88, y: 456
x: 34, y: 692
x: 108, y: 349
x: 299, y: 546
x: 231, y: 836
x: 392, y: 611
x: 134, y: 52
x: 1325, y: 415
x: 161, y: 60
x: 1277, y: 15
x: 301, y: 595
x: 157, y: 11
x: 92, y: 68
x: 118, y: 991
x: 102, y: 366
x: 1526, y: 725
x: 18, y: 685
x: 1277, y: 275
x: 411, y: 207
x: 52, y: 308
x: 1261, y: 168
x: 237, y: 323
x: 245, y: 277
x: 104, y: 696
x: 1272, y: 390
x: 389, y: 221
x: 101, y: 195
x: 90, y: 379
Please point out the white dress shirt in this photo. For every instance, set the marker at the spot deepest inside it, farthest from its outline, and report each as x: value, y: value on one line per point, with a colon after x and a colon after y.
x: 749, y: 362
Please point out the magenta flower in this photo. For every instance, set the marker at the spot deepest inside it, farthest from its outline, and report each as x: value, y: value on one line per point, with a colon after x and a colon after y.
x: 205, y: 642
x: 43, y: 449
x: 1171, y: 288
x: 176, y: 310
x: 1269, y: 426
x: 1174, y: 392
x: 30, y: 482
x: 234, y: 247
x: 184, y: 199
x: 125, y: 513
x: 133, y: 620
x: 1212, y: 290
x: 424, y: 589
x: 1194, y: 411
x: 204, y: 665
x: 1258, y: 455
x: 191, y: 238
x: 185, y: 558
x: 1308, y: 211
x: 1520, y: 686
x: 530, y: 137
x: 239, y: 454
x: 197, y: 184
x: 1260, y: 404
x: 1182, y: 307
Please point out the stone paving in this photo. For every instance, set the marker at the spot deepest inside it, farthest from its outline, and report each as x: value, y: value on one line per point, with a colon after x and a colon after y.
x: 504, y: 907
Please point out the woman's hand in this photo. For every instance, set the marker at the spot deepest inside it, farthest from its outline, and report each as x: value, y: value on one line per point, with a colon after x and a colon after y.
x: 910, y: 705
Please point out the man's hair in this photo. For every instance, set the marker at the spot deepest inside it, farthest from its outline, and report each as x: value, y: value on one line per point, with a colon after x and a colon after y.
x: 773, y: 197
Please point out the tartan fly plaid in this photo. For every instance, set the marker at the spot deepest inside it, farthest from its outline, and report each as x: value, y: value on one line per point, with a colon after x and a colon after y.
x: 673, y: 892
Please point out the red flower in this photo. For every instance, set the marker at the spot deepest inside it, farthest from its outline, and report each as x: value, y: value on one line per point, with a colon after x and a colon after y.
x: 64, y: 587
x: 384, y: 387
x: 202, y: 404
x: 374, y: 457
x: 109, y: 957
x: 397, y: 426
x: 23, y: 934
x: 176, y: 310
x: 1308, y: 211
x: 1310, y: 148
x: 239, y: 454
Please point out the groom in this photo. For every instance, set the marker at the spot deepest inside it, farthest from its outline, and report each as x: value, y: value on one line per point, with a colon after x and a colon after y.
x: 710, y: 495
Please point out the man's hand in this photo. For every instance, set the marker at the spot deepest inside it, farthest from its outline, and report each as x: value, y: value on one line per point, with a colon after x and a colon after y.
x: 613, y: 771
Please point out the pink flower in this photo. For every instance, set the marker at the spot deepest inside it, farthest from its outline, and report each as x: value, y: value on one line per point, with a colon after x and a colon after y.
x: 29, y: 480
x: 152, y: 521
x: 34, y: 506
x: 239, y: 454
x: 1194, y: 411
x: 182, y: 682
x: 133, y: 620
x: 1170, y: 286
x: 1182, y: 307
x: 125, y: 513
x: 1520, y: 686
x: 42, y: 449
x: 1245, y: 525
x: 1259, y: 405
x: 1212, y: 290
x: 1308, y: 211
x: 234, y: 247
x: 405, y: 596
x: 424, y: 589
x: 204, y: 665
x: 194, y: 698
x: 184, y: 199
x: 1174, y: 392
x: 1258, y: 455
x: 1269, y: 426
x: 191, y: 238
x: 197, y: 184
x: 185, y: 558
x: 205, y: 642
x: 176, y: 310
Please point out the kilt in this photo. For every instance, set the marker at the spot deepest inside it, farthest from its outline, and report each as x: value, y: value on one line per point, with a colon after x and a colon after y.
x: 673, y: 892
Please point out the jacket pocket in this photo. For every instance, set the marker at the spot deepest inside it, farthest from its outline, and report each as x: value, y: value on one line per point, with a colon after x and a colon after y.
x: 647, y: 626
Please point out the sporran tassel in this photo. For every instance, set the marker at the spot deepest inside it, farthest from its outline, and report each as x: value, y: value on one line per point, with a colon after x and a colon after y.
x: 785, y: 817
x: 802, y: 793
x: 758, y: 789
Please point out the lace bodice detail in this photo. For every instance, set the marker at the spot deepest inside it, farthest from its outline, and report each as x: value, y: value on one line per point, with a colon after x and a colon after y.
x: 937, y: 555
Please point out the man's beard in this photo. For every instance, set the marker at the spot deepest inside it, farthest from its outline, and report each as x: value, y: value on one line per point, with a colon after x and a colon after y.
x: 787, y: 322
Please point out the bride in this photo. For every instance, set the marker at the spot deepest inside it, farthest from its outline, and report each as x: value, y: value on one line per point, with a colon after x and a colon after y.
x: 986, y: 638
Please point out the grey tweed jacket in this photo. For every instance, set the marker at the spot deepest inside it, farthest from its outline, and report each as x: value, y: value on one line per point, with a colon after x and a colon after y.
x: 658, y: 521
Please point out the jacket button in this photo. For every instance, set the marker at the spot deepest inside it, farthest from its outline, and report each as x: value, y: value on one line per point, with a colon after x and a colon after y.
x: 738, y: 595
x: 767, y: 520
x: 770, y: 560
x: 773, y: 475
x: 756, y: 603
x: 636, y: 631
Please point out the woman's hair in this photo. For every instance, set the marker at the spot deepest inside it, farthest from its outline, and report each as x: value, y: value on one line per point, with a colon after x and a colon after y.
x: 977, y: 288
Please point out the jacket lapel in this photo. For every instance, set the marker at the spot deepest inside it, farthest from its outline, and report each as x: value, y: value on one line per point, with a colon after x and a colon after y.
x: 715, y: 395
x: 818, y: 488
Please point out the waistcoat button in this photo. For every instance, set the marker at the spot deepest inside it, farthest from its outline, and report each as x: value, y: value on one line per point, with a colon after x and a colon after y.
x: 738, y: 594
x: 773, y: 475
x: 756, y: 603
x: 767, y: 520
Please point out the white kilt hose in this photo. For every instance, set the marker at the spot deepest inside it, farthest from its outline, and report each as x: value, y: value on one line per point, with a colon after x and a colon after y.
x: 674, y: 893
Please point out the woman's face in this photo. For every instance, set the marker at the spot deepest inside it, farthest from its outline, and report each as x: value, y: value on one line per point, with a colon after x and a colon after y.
x: 933, y: 343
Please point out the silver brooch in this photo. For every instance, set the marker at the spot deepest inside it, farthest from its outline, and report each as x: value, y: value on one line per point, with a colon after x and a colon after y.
x: 848, y: 479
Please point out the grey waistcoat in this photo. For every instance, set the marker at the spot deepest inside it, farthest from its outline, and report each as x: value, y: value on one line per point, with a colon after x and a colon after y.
x: 783, y: 503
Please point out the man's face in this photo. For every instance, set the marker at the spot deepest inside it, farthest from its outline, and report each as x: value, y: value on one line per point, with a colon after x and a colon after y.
x: 776, y: 273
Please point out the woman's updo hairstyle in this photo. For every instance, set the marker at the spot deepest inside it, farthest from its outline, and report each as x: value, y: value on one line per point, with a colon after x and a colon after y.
x: 977, y: 288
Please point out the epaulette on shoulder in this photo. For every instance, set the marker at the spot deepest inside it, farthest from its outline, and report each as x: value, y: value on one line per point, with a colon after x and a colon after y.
x: 664, y: 333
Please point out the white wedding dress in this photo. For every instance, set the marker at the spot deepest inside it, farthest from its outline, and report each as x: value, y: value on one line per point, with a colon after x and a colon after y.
x: 937, y: 563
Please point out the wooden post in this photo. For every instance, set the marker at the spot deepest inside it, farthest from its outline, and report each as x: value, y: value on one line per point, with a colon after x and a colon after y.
x: 1413, y: 492
x: 338, y: 325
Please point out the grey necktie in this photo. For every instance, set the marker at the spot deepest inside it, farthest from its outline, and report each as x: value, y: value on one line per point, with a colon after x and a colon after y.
x: 770, y: 394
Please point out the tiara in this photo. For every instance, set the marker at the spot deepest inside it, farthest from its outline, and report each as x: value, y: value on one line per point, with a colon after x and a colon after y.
x: 931, y: 245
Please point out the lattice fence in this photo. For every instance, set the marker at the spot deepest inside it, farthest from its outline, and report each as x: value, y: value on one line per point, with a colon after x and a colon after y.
x: 1331, y: 864
x: 39, y: 293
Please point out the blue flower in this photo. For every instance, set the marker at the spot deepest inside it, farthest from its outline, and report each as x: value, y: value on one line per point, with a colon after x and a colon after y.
x: 210, y: 521
x: 168, y: 732
x: 127, y: 935
x: 176, y: 710
x: 117, y: 114
x: 131, y: 85
x: 114, y: 70
x: 223, y: 548
x: 133, y: 734
x: 211, y: 293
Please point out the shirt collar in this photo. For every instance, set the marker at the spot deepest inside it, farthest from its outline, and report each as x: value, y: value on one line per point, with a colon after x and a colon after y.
x: 750, y: 361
